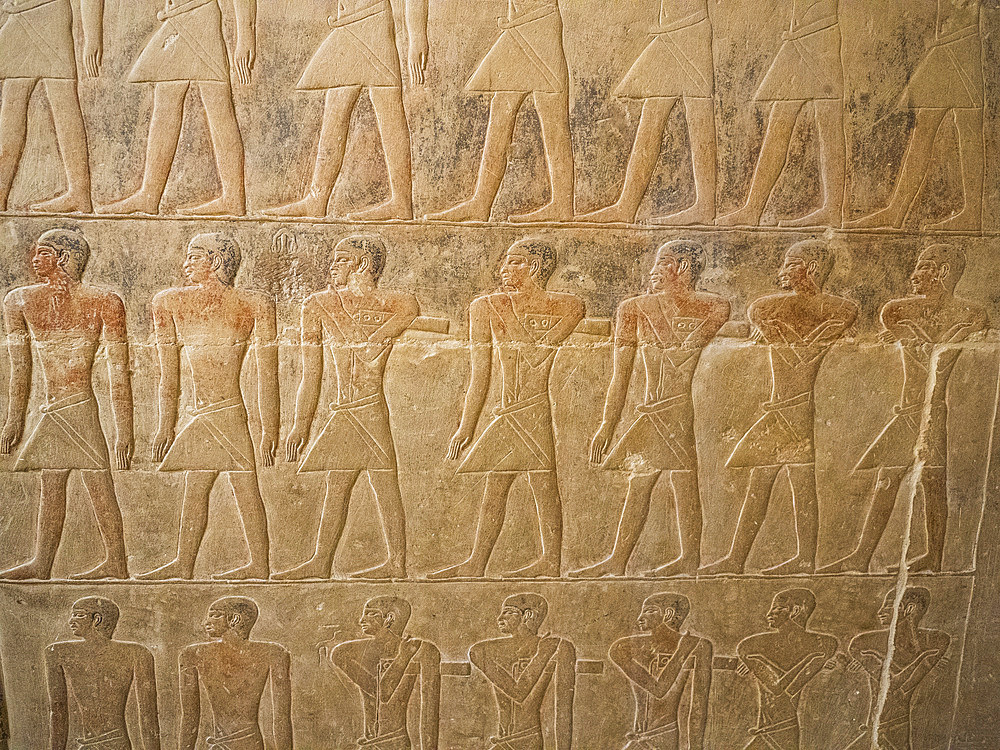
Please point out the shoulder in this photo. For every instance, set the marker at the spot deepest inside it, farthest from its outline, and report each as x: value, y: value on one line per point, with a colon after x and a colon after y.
x: 22, y: 295
x: 628, y: 644
x: 260, y: 301
x: 59, y: 649
x: 488, y: 646
x: 894, y: 308
x: 841, y: 303
x: 868, y: 638
x: 971, y: 309
x: 633, y: 305
x: 275, y: 651
x: 399, y: 298
x: 753, y: 643
x: 109, y: 301
x: 567, y: 301
x: 768, y: 303
x: 194, y: 653
x: 168, y: 298
x: 485, y: 300
x: 939, y: 639
x: 826, y: 641
x: 715, y: 302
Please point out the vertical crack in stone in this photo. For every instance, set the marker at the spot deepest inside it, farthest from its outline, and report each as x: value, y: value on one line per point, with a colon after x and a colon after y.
x: 912, y: 482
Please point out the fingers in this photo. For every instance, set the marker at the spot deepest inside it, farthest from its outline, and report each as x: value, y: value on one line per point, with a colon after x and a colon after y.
x: 292, y: 450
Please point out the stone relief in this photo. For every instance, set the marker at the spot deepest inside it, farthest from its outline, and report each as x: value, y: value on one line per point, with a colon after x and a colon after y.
x: 742, y: 248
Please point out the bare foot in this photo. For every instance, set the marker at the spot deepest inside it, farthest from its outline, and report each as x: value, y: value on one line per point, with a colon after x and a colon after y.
x: 726, y: 565
x: 549, y: 212
x: 853, y: 563
x: 613, y: 214
x: 137, y: 203
x: 473, y: 209
x: 747, y: 216
x: 252, y: 570
x: 394, y: 208
x: 27, y: 571
x: 166, y: 572
x: 224, y: 205
x: 680, y: 567
x: 311, y: 568
x: 791, y: 567
x: 964, y: 220
x: 924, y: 564
x: 117, y: 569
x: 826, y: 216
x: 313, y: 204
x: 467, y: 569
x: 884, y: 219
x: 697, y: 214
x: 385, y: 571
x: 538, y: 569
x: 607, y: 567
x: 66, y: 203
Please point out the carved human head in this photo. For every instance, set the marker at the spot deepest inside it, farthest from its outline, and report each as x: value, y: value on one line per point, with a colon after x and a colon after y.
x: 360, y: 253
x: 522, y: 613
x: 385, y: 613
x: 215, y: 251
x: 528, y: 259
x: 913, y: 605
x: 93, y: 614
x: 938, y: 266
x: 679, y: 259
x: 791, y: 605
x: 70, y: 247
x: 806, y: 263
x: 231, y: 613
x: 664, y: 609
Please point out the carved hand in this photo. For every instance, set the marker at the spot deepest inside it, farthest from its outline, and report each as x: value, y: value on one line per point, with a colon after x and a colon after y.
x: 268, y: 448
x: 162, y: 442
x: 458, y: 443
x: 418, y: 61
x: 93, y: 55
x: 742, y: 669
x: 10, y: 436
x: 123, y: 453
x: 294, y: 444
x: 244, y: 58
x: 599, y: 445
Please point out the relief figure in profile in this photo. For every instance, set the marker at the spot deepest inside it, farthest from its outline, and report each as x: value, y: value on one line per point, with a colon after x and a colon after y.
x: 213, y: 324
x: 360, y: 53
x: 659, y: 665
x: 670, y: 325
x: 189, y: 49
x: 386, y: 665
x: 677, y: 65
x: 92, y: 677
x: 782, y: 661
x: 37, y: 47
x: 525, y: 324
x: 915, y: 653
x: 931, y: 320
x: 806, y: 70
x: 522, y: 667
x: 799, y: 326
x: 65, y: 320
x: 948, y: 81
x: 359, y: 321
x: 526, y: 59
x: 233, y: 671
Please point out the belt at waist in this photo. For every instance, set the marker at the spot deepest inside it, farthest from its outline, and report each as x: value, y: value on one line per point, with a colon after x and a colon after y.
x: 536, y: 400
x: 357, y: 403
x: 375, y: 743
x: 221, y: 741
x: 778, y: 726
x: 358, y: 15
x: 523, y: 18
x: 65, y: 402
x: 229, y: 403
x: 649, y: 734
x: 682, y: 23
x: 662, y: 405
x: 794, y: 34
x: 177, y: 10
x: 787, y: 403
x: 115, y: 735
x: 956, y: 36
x: 503, y: 743
x: 13, y: 9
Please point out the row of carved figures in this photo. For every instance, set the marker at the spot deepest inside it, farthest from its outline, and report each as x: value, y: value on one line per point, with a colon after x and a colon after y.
x: 668, y: 668
x: 353, y: 325
x: 527, y: 59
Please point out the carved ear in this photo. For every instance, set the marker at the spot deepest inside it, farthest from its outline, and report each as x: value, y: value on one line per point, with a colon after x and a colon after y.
x: 943, y: 270
x: 683, y: 265
x: 97, y: 619
x: 388, y: 620
x: 812, y: 267
x: 235, y: 620
x: 535, y: 266
x: 364, y: 262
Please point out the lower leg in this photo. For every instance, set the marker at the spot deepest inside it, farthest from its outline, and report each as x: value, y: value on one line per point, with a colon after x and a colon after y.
x: 227, y: 143
x: 13, y: 130
x: 548, y: 505
x: 704, y: 164
x: 101, y: 489
x: 51, y: 516
x: 385, y: 486
x: 633, y: 521
x: 802, y: 481
x: 246, y: 492
x: 553, y: 115
x: 689, y: 523
x: 331, y: 526
x: 751, y: 518
x: 71, y: 135
x: 935, y: 485
x: 883, y: 500
x: 194, y: 520
x: 969, y: 123
x: 395, y: 134
x: 832, y: 165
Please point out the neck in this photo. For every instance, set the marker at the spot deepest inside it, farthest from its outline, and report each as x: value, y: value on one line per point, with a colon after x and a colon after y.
x: 212, y: 282
x: 233, y: 638
x: 664, y: 633
x: 360, y: 283
x: 938, y: 294
x: 808, y: 289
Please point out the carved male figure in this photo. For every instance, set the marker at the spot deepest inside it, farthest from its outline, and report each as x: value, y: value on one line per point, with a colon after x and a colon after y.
x: 234, y: 670
x: 659, y: 665
x: 189, y: 49
x: 931, y: 320
x: 92, y: 677
x: 677, y: 65
x: 522, y: 666
x: 670, y: 325
x: 214, y: 324
x: 948, y: 81
x: 782, y: 662
x: 525, y: 324
x: 916, y: 651
x: 526, y: 59
x: 799, y: 326
x: 386, y: 665
x: 360, y: 53
x: 360, y: 321
x: 36, y: 47
x: 806, y: 70
x: 67, y: 320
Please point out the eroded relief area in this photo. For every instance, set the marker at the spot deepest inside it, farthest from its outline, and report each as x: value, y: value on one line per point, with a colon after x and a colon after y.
x: 521, y: 375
